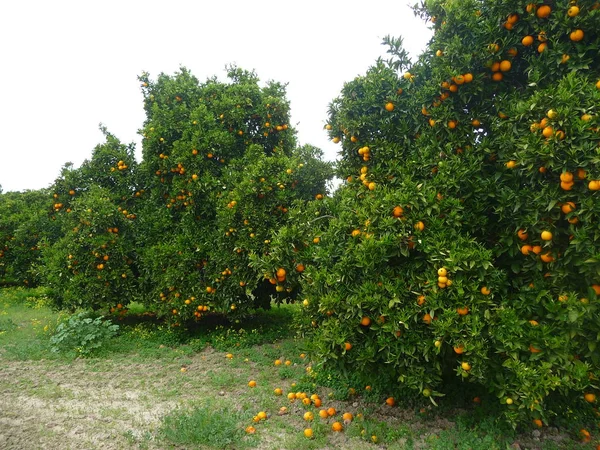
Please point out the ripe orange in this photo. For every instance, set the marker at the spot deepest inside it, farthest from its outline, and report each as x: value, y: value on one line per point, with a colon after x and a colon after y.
x: 527, y: 41
x: 537, y: 249
x: 347, y: 346
x: 278, y: 391
x: 390, y: 401
x: 419, y: 226
x: 308, y: 433
x: 459, y: 79
x: 548, y: 132
x: 250, y: 430
x: 497, y: 76
x: 589, y: 397
x: 468, y: 77
x: 547, y: 257
x: 348, y: 417
x: 331, y: 412
x: 485, y: 290
x: 594, y: 185
x: 365, y: 321
x: 532, y: 349
x: 538, y: 423
x: 459, y: 349
x: 543, y: 11
x: 542, y: 47
x: 546, y: 236
x: 522, y: 234
x: 323, y: 414
x: 512, y: 18
x: 427, y: 319
x: 389, y: 106
x: 576, y: 35
x: 566, y: 177
x: 596, y: 288
x: 567, y: 207
x: 511, y: 164
x: 336, y: 426
x: 526, y: 249
x: 573, y: 11
x: 308, y: 416
x: 505, y: 65
x: 398, y: 211
x: 462, y: 311
x: 465, y: 366
x: 252, y: 383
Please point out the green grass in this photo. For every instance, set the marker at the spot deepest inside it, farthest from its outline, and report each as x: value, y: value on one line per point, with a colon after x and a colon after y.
x: 212, y: 424
x: 26, y: 321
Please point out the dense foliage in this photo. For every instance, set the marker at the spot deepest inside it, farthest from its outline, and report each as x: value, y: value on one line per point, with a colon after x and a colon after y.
x: 464, y: 242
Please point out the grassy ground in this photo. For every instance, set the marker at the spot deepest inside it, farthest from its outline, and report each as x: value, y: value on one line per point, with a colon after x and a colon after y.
x: 153, y: 387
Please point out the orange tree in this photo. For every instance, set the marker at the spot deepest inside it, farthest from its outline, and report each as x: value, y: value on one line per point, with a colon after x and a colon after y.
x: 23, y: 223
x: 221, y: 168
x: 92, y: 263
x: 464, y: 241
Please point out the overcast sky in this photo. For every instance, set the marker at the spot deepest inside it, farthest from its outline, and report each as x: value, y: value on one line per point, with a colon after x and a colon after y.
x: 66, y: 66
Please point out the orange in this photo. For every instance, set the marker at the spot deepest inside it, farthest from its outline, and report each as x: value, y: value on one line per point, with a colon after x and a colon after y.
x: 419, y: 226
x: 573, y: 11
x: 421, y: 300
x: 427, y: 319
x: 485, y: 290
x: 459, y: 79
x: 594, y: 185
x: 250, y: 430
x: 252, y: 383
x: 317, y: 402
x: 496, y: 66
x: 497, y: 76
x: 308, y: 416
x: 576, y: 35
x: 398, y: 211
x: 331, y: 412
x: 566, y: 177
x: 365, y: 321
x: 547, y: 132
x: 589, y: 397
x: 462, y: 311
x: 348, y: 417
x: 567, y: 186
x: 347, y: 346
x: 278, y: 391
x: 459, y: 349
x: 537, y: 249
x: 465, y: 366
x: 442, y: 272
x: 452, y: 124
x: 468, y: 77
x: 511, y: 164
x: 390, y: 401
x: 308, y: 433
x: 513, y: 18
x: 323, y: 414
x: 547, y: 257
x: 568, y: 207
x: 543, y: 11
x: 336, y: 426
x: 596, y: 288
x: 389, y: 106
x: 526, y: 249
x: 527, y: 41
x: 505, y: 65
x: 522, y: 234
x: 532, y: 349
x: 538, y: 423
x: 542, y: 47
x: 475, y: 123
x: 546, y: 236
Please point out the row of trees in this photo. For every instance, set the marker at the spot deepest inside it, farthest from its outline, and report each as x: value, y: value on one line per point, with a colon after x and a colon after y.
x: 463, y: 243
x: 220, y: 170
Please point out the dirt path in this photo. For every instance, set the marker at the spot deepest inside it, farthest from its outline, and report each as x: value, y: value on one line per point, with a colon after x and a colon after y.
x: 90, y: 404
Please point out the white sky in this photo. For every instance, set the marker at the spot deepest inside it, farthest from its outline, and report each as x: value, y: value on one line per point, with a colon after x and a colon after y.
x: 66, y: 66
